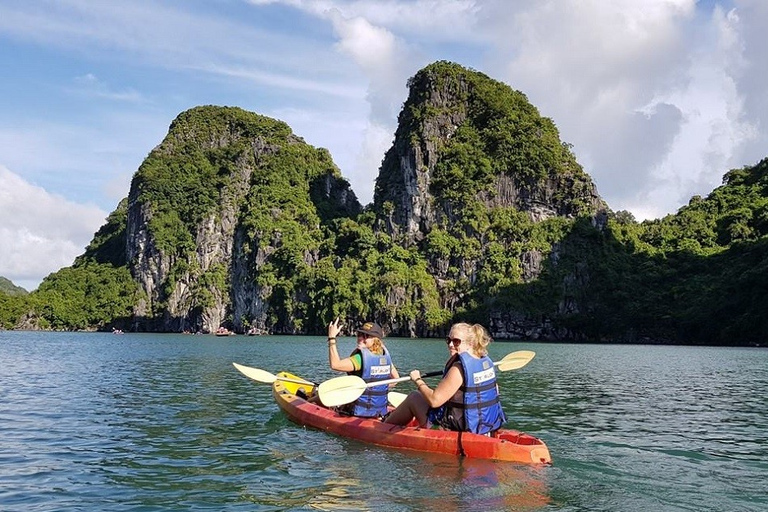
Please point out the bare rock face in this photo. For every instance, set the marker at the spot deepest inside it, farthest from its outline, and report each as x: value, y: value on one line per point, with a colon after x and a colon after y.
x: 406, y: 172
x: 414, y: 193
x: 196, y: 264
x: 444, y: 103
x: 207, y: 209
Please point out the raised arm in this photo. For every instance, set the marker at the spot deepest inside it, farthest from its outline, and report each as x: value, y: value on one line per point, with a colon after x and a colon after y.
x: 337, y: 363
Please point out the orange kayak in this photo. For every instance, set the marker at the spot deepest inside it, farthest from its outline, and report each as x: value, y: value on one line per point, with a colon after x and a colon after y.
x: 506, y: 445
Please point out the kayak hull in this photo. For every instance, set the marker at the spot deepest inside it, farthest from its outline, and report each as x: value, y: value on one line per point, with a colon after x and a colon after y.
x: 506, y: 445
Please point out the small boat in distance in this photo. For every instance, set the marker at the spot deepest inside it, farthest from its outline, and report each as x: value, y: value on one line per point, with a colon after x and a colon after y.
x: 223, y: 331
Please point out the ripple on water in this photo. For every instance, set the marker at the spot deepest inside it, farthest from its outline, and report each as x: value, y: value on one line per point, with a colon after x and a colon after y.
x: 143, y: 422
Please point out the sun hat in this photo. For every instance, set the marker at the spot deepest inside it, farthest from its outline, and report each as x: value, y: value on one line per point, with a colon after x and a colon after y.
x: 371, y: 328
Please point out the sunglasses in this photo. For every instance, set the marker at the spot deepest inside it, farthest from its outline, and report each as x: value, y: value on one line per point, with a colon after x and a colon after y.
x: 456, y: 341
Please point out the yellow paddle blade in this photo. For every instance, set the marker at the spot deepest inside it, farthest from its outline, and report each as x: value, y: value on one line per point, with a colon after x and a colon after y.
x: 396, y: 398
x: 264, y: 376
x: 341, y: 390
x: 256, y: 374
x: 515, y: 360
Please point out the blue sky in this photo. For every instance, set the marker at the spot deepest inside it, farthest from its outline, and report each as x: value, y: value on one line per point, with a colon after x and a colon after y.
x: 659, y: 98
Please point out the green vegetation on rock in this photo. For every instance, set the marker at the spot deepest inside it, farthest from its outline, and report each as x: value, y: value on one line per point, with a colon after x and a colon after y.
x: 234, y: 218
x: 8, y: 288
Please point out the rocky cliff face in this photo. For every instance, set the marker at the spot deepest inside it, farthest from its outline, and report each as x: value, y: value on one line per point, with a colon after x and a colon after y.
x: 403, y: 192
x: 442, y: 100
x: 198, y: 272
x: 480, y: 214
x: 446, y: 103
x: 228, y: 220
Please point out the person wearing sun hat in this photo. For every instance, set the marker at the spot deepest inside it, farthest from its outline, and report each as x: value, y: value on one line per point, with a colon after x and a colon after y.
x: 371, y: 361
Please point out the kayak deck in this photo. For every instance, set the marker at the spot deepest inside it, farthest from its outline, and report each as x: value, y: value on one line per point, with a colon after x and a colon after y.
x: 505, y: 445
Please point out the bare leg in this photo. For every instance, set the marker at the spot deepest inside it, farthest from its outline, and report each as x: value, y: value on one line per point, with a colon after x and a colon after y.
x: 414, y: 406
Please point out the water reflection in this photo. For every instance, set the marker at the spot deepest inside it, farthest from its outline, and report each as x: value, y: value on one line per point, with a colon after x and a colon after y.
x: 472, y: 484
x: 385, y: 479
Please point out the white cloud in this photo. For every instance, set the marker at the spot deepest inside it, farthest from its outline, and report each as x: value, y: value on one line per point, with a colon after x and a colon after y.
x: 645, y: 92
x: 715, y: 128
x: 81, y: 161
x: 419, y: 19
x: 380, y: 54
x: 654, y: 96
x: 377, y: 140
x: 288, y: 81
x: 744, y: 29
x: 41, y: 232
x: 386, y: 62
x: 623, y: 81
x: 90, y: 85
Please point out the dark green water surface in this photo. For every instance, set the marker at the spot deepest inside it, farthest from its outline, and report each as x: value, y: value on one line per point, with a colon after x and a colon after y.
x: 143, y: 422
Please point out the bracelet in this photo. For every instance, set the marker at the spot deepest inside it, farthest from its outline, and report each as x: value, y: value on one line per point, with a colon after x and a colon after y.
x: 331, y: 338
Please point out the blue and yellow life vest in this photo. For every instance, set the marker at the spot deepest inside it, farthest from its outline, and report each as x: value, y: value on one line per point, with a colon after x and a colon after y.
x: 373, y: 401
x: 479, y: 407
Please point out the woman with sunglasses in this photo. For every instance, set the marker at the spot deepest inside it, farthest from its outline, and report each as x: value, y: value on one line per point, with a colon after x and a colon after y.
x: 371, y: 361
x: 467, y: 398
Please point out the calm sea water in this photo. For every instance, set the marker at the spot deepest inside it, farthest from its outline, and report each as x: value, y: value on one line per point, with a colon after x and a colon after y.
x: 145, y: 422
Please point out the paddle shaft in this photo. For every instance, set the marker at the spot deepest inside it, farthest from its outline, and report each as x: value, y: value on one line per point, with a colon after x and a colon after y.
x: 400, y: 379
x: 306, y: 383
x: 430, y: 374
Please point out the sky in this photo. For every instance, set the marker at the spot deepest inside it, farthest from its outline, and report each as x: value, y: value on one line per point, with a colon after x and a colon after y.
x: 659, y: 98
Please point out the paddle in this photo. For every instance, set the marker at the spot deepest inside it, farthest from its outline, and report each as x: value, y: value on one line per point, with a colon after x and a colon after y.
x: 266, y: 377
x: 346, y: 389
x: 343, y: 390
